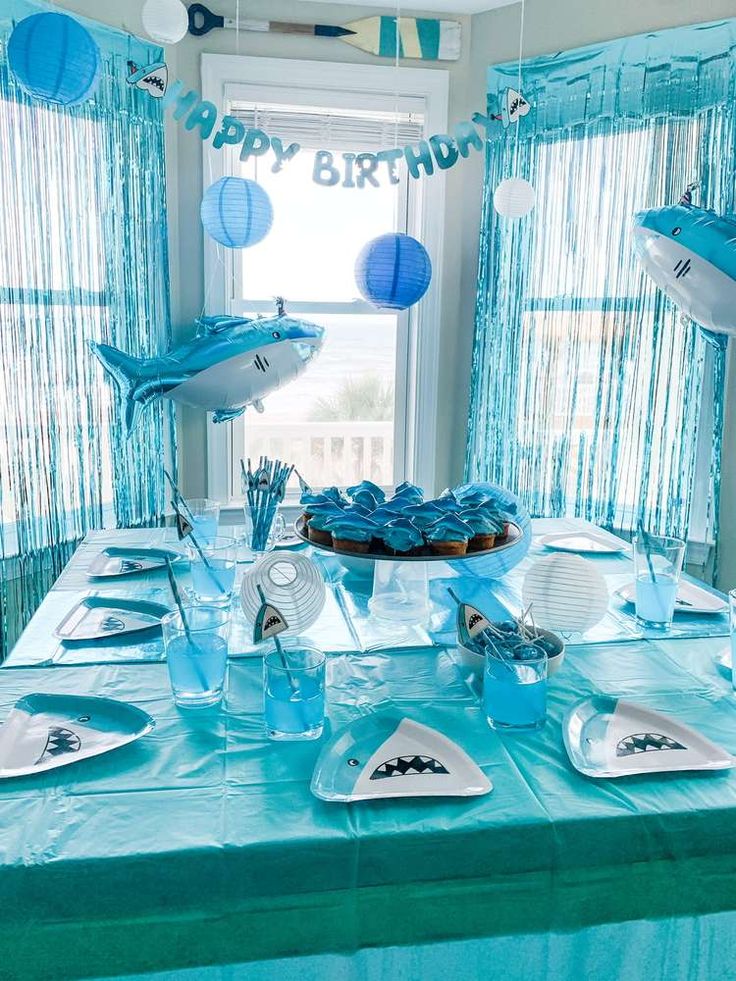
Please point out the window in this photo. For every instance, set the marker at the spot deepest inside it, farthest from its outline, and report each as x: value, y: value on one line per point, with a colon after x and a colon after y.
x: 352, y: 413
x: 583, y: 315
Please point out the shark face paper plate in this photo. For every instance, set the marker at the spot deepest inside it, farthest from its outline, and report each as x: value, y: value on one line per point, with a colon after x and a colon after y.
x: 609, y: 737
x: 98, y: 617
x: 43, y: 732
x: 127, y: 561
x: 384, y: 756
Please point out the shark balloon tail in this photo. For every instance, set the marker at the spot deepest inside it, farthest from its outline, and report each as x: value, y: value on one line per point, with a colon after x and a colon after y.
x: 126, y: 371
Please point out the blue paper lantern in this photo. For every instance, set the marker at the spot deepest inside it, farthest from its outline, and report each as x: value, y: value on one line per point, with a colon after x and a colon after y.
x: 236, y: 212
x: 393, y: 271
x: 54, y: 58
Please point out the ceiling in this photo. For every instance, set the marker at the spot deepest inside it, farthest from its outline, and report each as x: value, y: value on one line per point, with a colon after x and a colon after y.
x: 428, y: 6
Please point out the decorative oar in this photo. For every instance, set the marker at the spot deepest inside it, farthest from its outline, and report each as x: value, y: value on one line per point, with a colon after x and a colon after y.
x: 419, y: 37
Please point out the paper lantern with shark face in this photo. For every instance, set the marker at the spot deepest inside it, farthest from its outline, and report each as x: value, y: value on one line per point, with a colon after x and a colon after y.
x: 690, y: 254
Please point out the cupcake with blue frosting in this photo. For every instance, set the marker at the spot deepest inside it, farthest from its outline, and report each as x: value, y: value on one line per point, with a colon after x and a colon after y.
x: 331, y: 495
x: 317, y: 526
x: 487, y: 526
x: 401, y: 537
x: 424, y: 514
x: 449, y: 535
x: 408, y: 493
x: 352, y: 532
x: 365, y: 487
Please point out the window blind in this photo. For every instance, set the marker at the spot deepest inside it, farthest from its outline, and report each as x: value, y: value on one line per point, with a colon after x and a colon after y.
x: 315, y: 128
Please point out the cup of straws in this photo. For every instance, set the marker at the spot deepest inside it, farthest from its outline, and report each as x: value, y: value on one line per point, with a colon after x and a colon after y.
x: 264, y: 488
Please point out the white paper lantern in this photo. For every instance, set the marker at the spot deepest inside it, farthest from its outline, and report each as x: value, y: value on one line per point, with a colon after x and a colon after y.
x: 567, y: 593
x: 514, y: 197
x: 166, y: 21
x: 291, y: 582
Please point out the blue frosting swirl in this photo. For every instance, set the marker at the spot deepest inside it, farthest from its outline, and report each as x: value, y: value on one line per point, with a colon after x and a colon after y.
x: 352, y: 527
x: 322, y: 513
x: 449, y: 528
x: 423, y: 515
x: 483, y: 520
x: 367, y: 485
x: 401, y: 535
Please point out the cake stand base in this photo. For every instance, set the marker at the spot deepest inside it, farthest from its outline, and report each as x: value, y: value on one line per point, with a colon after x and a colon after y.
x: 400, y: 592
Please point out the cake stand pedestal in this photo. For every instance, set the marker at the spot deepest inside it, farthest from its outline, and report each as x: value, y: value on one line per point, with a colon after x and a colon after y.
x: 400, y: 591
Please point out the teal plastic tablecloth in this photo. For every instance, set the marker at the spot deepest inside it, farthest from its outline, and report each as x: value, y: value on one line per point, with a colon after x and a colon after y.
x: 201, y: 846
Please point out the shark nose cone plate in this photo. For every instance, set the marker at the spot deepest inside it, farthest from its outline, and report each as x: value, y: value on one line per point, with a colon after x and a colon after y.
x: 609, y: 737
x: 44, y: 732
x: 385, y: 756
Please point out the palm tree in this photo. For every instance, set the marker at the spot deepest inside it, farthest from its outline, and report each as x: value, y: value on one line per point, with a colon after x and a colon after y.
x: 363, y: 399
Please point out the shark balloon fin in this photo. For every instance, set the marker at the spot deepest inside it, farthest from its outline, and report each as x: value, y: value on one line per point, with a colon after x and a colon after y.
x: 215, y: 325
x: 126, y: 372
x: 226, y: 415
x: 514, y: 106
x: 258, y: 405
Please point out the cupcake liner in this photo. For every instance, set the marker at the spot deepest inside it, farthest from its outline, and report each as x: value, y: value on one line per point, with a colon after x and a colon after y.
x: 345, y: 545
x: 449, y: 548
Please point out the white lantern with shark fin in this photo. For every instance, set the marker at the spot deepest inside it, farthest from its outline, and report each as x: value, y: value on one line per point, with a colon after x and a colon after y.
x: 231, y: 363
x: 690, y: 253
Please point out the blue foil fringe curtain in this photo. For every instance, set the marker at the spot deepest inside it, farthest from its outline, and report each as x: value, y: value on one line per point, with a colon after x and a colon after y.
x: 589, y: 390
x: 83, y: 255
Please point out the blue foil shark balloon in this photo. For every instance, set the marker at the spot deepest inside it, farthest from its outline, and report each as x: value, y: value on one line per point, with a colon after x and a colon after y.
x: 690, y: 254
x: 231, y: 362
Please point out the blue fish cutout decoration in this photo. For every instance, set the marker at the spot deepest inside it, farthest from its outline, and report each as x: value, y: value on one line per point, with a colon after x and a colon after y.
x: 690, y: 253
x: 232, y: 362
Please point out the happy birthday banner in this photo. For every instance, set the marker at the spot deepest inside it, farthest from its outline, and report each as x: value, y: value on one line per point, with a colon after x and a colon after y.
x: 440, y: 151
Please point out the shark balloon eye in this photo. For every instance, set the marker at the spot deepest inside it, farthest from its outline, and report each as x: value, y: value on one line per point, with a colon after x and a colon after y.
x: 676, y: 230
x: 353, y: 762
x: 276, y: 334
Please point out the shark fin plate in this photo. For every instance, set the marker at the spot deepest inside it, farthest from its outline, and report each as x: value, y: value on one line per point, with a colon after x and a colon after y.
x: 385, y: 756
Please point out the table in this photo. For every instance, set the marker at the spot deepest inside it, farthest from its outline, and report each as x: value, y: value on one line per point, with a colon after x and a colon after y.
x: 200, y: 845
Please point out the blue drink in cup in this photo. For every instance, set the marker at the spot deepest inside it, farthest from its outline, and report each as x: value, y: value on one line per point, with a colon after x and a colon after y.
x: 204, y: 515
x: 515, y: 690
x: 657, y: 566
x: 213, y: 570
x: 294, y: 693
x: 196, y: 654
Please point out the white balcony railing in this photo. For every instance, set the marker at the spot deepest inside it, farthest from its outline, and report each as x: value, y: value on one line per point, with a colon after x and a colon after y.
x: 341, y: 453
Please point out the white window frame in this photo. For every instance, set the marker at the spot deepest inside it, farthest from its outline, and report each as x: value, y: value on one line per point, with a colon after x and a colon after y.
x: 226, y: 78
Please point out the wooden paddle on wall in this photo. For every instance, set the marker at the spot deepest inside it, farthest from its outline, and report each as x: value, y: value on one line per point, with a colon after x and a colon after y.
x: 419, y: 37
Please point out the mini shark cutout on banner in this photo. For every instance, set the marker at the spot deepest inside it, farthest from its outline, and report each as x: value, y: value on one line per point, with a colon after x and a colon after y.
x: 153, y: 79
x: 384, y: 756
x: 513, y: 107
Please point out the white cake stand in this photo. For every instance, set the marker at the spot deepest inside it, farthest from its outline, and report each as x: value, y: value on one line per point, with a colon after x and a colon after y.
x: 401, y: 583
